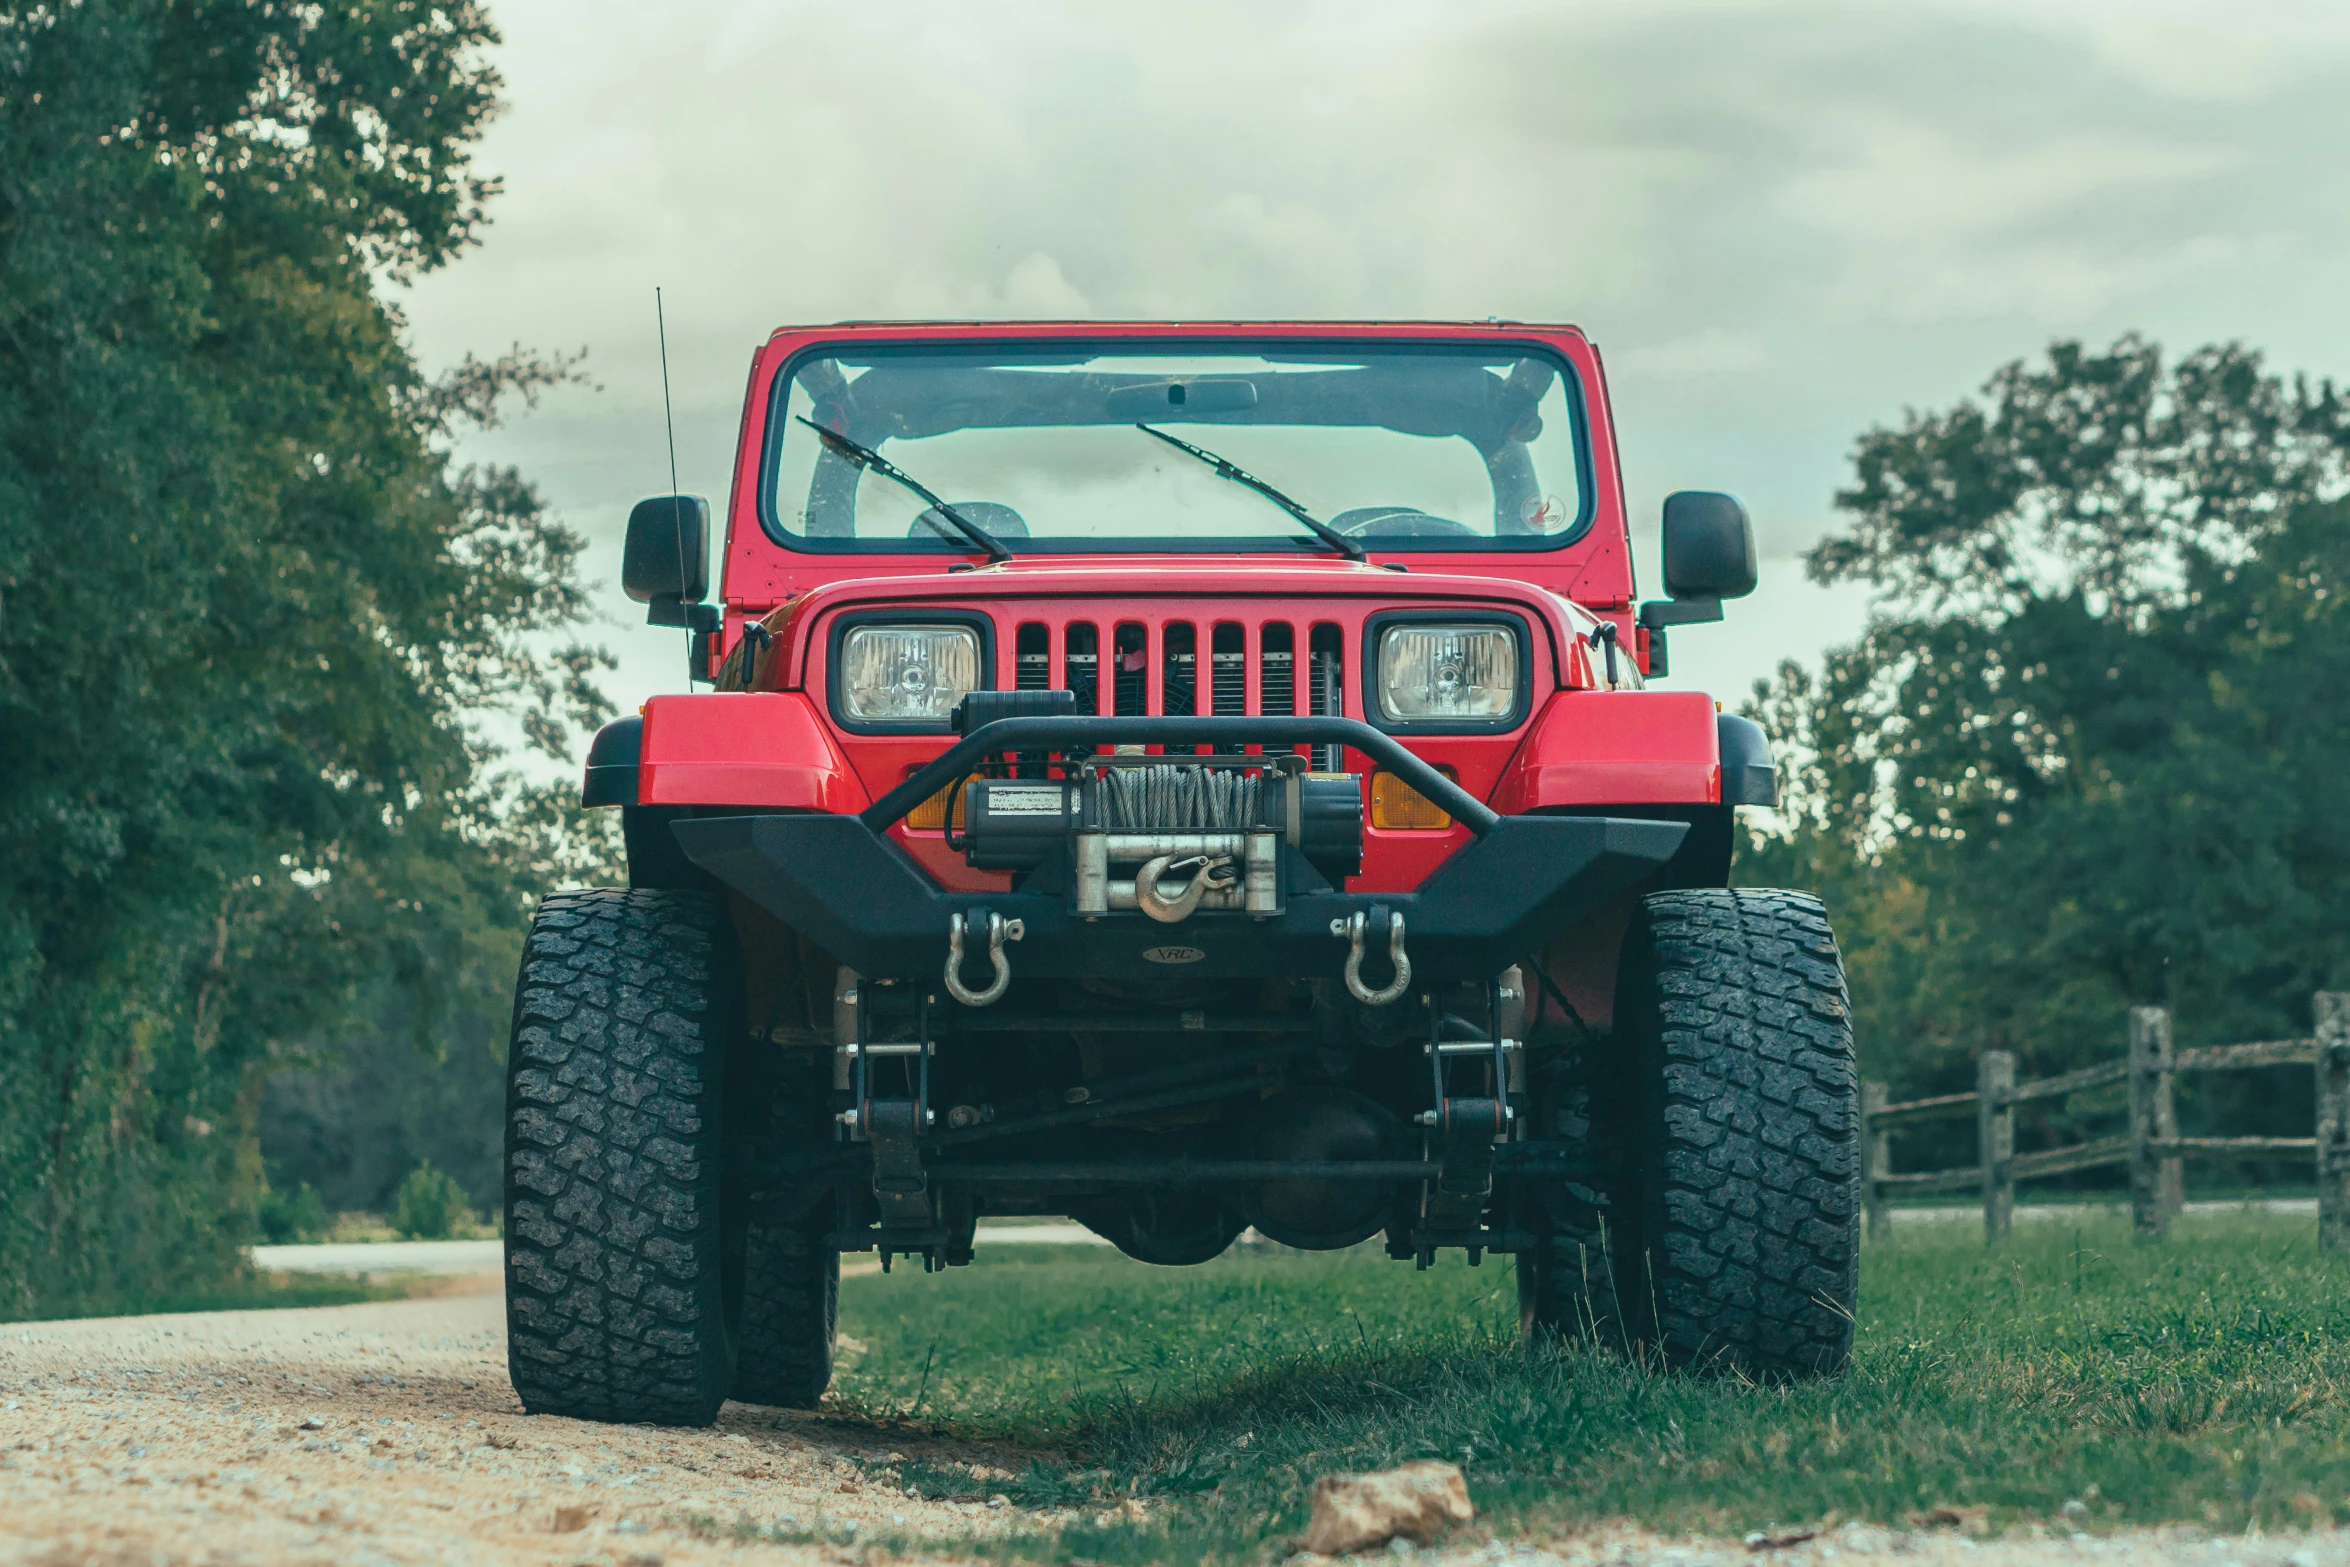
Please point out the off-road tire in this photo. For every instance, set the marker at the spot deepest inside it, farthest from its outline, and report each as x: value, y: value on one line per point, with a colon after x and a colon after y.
x: 1732, y: 1220
x: 791, y: 1277
x: 791, y: 1312
x: 623, y: 1241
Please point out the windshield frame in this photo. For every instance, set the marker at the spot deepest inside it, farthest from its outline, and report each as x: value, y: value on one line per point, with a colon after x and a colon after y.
x: 778, y: 427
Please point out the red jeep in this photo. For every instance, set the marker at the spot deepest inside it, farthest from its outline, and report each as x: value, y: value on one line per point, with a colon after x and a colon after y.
x: 1182, y: 777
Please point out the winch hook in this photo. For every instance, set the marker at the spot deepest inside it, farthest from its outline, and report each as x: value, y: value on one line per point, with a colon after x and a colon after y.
x: 1352, y: 930
x: 999, y: 930
x: 1215, y: 870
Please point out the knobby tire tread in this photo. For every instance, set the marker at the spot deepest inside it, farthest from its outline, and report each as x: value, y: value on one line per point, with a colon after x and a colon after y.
x: 617, y: 1231
x: 1733, y: 1240
x: 791, y: 1314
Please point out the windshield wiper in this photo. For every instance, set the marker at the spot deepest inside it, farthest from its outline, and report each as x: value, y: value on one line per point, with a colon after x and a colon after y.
x: 866, y: 457
x: 1238, y: 475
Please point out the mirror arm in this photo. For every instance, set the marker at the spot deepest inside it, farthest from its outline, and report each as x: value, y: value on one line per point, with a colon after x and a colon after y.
x: 1660, y: 613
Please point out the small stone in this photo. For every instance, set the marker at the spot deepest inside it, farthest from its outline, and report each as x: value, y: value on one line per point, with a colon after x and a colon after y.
x: 311, y: 1423
x: 1418, y: 1503
x: 2076, y: 1509
x: 999, y: 1501
x: 570, y: 1520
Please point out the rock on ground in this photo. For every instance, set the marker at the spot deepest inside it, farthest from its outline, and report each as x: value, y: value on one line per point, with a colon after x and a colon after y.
x: 1420, y: 1502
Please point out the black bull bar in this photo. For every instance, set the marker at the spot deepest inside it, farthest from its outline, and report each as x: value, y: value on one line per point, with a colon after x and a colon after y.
x: 844, y: 884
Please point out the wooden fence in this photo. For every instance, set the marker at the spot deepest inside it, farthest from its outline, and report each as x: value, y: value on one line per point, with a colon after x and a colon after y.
x: 2152, y: 1146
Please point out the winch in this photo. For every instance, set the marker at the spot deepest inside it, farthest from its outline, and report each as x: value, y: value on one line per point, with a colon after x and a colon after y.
x: 1169, y: 838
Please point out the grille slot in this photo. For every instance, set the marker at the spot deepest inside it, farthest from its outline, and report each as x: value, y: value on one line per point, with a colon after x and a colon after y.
x: 1081, y: 665
x: 1228, y: 668
x: 1277, y: 669
x: 1032, y: 661
x: 1326, y: 676
x: 1130, y: 674
x: 1179, y: 668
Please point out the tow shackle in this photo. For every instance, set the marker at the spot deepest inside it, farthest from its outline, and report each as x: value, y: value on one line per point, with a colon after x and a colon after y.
x: 999, y: 930
x: 1352, y: 930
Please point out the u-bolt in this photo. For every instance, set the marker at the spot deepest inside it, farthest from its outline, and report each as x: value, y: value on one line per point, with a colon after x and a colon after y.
x: 1214, y: 870
x: 1353, y: 928
x: 999, y: 931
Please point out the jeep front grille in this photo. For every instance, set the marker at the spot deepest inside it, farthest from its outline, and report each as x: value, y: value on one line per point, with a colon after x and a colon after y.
x: 1253, y: 665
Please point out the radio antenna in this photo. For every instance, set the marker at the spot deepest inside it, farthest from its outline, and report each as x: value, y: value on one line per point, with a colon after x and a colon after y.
x: 669, y: 421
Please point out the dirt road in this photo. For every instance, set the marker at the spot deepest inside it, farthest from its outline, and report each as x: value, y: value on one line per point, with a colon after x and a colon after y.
x: 358, y: 1435
x: 389, y: 1433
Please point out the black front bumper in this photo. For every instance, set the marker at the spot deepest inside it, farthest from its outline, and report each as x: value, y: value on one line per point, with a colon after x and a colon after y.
x: 842, y: 882
x: 1499, y: 898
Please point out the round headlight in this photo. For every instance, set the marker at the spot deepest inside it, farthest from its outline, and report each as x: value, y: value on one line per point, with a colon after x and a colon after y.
x: 1429, y: 673
x: 906, y: 674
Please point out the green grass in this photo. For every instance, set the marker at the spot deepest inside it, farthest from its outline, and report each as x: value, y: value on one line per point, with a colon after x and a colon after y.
x: 2207, y: 1379
x: 259, y: 1291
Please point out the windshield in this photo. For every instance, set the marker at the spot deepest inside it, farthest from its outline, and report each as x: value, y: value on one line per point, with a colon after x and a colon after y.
x: 1446, y: 448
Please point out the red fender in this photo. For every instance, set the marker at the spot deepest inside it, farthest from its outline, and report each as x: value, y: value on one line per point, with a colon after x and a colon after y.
x: 763, y: 748
x: 1616, y: 748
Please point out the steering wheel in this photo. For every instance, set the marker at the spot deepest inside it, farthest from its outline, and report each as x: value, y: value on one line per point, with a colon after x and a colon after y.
x: 1405, y: 522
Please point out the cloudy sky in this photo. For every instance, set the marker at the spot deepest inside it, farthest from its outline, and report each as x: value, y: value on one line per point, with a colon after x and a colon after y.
x: 1781, y: 222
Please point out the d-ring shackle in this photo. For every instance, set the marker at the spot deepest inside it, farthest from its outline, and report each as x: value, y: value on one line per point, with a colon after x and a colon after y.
x: 1352, y: 929
x: 1214, y: 871
x: 999, y: 931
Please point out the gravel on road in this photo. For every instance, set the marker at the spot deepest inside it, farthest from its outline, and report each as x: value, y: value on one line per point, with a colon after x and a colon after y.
x: 388, y: 1433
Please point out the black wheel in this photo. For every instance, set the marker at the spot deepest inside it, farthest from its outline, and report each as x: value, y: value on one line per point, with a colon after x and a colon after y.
x: 791, y: 1277
x: 1568, y: 1287
x: 624, y: 1241
x: 1725, y: 1127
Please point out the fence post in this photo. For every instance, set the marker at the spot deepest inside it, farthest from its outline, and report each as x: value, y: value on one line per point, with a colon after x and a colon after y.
x: 2333, y: 1120
x: 1995, y: 1137
x: 2152, y: 1117
x: 1876, y: 1161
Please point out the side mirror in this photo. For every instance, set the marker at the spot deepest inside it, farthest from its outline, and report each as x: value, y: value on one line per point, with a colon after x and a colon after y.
x: 1709, y: 546
x: 665, y: 563
x: 1709, y: 557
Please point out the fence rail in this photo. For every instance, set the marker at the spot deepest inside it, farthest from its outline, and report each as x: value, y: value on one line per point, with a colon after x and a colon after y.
x: 2151, y: 1147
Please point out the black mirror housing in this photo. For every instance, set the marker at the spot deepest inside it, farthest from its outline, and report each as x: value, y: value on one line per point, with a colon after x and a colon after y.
x: 1708, y: 546
x: 667, y: 553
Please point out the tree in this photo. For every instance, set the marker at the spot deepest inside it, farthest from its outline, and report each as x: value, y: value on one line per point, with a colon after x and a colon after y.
x: 2091, y: 750
x: 249, y: 613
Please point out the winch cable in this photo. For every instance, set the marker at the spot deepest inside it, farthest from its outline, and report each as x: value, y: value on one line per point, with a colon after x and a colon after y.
x: 1181, y: 799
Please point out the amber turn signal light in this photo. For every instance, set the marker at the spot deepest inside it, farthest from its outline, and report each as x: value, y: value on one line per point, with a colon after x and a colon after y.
x: 931, y: 814
x: 1398, y: 807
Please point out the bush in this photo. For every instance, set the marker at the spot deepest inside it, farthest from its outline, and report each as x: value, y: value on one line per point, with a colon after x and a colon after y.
x: 287, y: 1217
x: 431, y: 1206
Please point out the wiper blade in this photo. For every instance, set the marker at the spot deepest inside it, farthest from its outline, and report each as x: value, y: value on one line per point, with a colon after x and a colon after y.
x: 1238, y: 475
x: 867, y: 457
